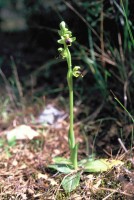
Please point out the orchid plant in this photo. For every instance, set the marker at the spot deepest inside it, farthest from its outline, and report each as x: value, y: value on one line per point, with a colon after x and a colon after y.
x: 71, y: 165
x: 66, y: 40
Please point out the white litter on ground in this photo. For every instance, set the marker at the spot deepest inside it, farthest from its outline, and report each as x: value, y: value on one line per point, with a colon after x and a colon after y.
x: 51, y: 116
x: 22, y: 132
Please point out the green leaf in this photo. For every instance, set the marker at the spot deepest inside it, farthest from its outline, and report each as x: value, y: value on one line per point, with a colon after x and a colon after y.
x: 82, y: 162
x: 70, y: 183
x: 95, y: 166
x: 101, y: 165
x: 63, y: 168
x: 7, y: 152
x: 61, y: 160
x: 12, y: 141
x: 2, y: 142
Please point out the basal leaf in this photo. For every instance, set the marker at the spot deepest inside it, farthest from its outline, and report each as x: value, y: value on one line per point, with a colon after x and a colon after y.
x: 63, y: 168
x: 101, y: 165
x: 61, y: 160
x: 95, y: 166
x: 70, y: 183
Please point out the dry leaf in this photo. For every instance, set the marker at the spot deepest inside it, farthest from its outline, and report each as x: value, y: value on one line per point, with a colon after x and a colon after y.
x: 15, y: 163
x: 44, y: 176
x: 22, y: 132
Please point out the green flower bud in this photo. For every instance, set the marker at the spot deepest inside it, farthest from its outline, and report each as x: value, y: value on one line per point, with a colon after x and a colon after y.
x: 62, y: 25
x: 62, y: 52
x: 66, y: 35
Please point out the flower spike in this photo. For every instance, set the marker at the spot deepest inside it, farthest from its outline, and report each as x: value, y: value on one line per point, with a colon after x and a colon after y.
x: 66, y: 35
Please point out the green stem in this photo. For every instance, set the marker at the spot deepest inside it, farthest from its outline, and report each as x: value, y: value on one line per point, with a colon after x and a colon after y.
x: 70, y: 82
x: 71, y: 137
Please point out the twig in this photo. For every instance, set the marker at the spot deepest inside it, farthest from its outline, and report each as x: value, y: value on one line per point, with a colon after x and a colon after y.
x: 109, y: 195
x: 122, y: 145
x: 116, y: 191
